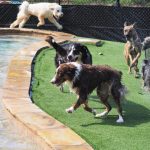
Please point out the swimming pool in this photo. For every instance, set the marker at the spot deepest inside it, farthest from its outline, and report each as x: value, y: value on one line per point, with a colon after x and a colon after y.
x: 9, y: 45
x: 9, y: 136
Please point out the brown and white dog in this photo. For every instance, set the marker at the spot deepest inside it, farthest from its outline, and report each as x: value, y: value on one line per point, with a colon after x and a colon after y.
x: 84, y: 78
x: 40, y: 10
x: 132, y: 48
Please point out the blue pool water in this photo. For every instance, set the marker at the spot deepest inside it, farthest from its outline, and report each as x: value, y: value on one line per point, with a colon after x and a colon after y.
x: 9, y: 45
x: 9, y: 136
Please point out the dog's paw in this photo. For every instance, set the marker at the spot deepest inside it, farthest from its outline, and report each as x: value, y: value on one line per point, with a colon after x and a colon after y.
x: 70, y: 110
x: 60, y: 27
x: 103, y: 114
x: 120, y: 120
x: 40, y: 24
x: 129, y: 71
x: 20, y: 27
x: 61, y: 88
x: 136, y: 75
x: 11, y: 26
x: 94, y: 112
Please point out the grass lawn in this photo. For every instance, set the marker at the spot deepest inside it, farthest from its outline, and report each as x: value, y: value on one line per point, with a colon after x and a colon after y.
x: 101, y: 134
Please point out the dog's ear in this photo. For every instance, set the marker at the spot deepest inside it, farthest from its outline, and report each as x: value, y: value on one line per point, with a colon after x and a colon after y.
x: 125, y: 24
x: 59, y: 49
x: 49, y: 39
x: 129, y: 24
x: 70, y: 71
x: 134, y: 25
x: 145, y: 61
x: 83, y: 50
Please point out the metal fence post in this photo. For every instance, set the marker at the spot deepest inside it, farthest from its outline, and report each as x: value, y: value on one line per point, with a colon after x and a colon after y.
x: 118, y: 3
x: 59, y: 1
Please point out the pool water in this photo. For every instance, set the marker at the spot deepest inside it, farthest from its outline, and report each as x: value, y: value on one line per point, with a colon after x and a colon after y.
x: 9, y: 45
x: 10, y: 139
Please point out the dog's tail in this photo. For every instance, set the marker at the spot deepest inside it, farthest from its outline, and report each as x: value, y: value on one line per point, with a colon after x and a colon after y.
x: 24, y: 7
x: 123, y: 91
x: 56, y: 46
x: 51, y: 41
x: 120, y: 72
x: 146, y: 43
x: 122, y: 88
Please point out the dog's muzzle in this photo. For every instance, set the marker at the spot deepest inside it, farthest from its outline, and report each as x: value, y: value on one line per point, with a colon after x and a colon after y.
x: 61, y: 15
x: 58, y: 16
x: 128, y: 37
x: 53, y: 81
x: 71, y: 58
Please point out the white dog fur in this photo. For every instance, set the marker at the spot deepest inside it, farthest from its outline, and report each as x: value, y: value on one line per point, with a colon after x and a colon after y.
x: 41, y: 10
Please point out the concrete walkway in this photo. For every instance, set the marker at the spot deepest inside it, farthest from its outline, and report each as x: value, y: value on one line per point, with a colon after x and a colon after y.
x: 39, y: 128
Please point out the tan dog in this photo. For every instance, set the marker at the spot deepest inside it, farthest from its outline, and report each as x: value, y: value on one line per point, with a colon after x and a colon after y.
x: 132, y: 48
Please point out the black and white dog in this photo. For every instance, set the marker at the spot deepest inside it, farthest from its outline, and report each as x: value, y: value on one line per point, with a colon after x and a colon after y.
x: 146, y: 74
x: 70, y: 52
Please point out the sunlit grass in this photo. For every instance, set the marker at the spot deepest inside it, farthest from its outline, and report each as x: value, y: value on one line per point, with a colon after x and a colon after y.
x: 102, y: 134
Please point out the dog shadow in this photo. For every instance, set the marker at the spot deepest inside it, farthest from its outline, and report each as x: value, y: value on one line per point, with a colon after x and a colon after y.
x: 134, y: 115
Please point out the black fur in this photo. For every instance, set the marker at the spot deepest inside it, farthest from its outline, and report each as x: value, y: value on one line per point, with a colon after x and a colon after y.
x: 63, y: 50
x: 146, y: 74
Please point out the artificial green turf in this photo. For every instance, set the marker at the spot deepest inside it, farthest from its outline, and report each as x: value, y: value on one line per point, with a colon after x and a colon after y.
x: 101, y: 134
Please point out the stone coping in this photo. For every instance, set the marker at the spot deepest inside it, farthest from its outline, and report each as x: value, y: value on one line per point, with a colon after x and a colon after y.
x: 44, y: 33
x: 16, y: 100
x: 34, y: 32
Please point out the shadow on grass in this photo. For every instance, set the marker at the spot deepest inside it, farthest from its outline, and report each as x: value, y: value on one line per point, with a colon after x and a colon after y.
x: 134, y: 115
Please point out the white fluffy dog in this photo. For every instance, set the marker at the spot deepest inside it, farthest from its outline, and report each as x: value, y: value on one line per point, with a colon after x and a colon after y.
x: 41, y: 10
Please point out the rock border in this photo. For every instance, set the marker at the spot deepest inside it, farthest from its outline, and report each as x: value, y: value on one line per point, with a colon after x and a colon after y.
x: 17, y: 102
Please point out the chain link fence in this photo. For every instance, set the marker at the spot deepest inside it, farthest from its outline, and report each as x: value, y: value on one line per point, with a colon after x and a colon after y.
x: 97, y: 21
x: 139, y: 3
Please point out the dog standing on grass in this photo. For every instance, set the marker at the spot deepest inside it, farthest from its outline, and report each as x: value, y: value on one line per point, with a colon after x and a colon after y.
x: 70, y: 52
x: 83, y: 79
x: 146, y: 64
x: 146, y: 74
x: 51, y: 11
x: 132, y: 48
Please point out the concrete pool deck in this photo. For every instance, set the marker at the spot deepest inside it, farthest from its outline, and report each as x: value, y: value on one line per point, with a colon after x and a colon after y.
x: 48, y: 132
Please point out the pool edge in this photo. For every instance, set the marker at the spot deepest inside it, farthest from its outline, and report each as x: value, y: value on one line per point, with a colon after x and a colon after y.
x: 40, y: 123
